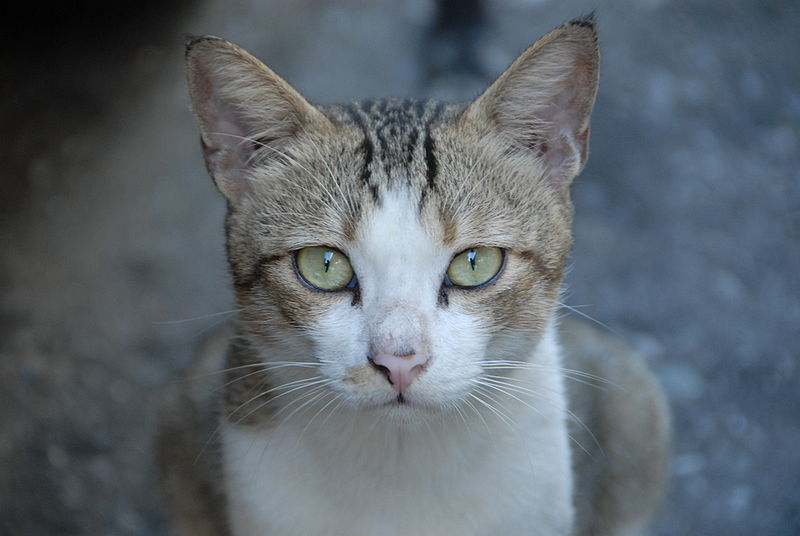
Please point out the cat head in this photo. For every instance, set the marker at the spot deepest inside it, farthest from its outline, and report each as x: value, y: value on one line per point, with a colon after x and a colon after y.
x: 395, y: 247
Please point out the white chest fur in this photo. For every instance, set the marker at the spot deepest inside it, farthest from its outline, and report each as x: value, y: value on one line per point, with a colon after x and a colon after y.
x: 464, y: 474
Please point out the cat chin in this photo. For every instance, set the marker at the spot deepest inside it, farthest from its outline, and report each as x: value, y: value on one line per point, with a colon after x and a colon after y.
x: 410, y: 410
x: 405, y: 415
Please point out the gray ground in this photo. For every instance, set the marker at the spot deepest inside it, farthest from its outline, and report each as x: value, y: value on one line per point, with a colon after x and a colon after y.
x: 687, y: 233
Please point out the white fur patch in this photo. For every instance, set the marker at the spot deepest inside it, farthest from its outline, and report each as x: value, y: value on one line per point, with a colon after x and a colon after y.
x: 361, y: 474
x: 447, y: 462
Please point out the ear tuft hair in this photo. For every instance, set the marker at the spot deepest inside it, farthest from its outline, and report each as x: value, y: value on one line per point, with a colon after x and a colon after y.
x: 585, y: 21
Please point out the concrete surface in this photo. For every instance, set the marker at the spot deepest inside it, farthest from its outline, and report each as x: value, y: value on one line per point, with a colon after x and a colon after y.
x: 687, y: 231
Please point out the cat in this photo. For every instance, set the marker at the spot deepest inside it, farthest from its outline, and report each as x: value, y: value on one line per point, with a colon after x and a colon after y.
x: 397, y: 365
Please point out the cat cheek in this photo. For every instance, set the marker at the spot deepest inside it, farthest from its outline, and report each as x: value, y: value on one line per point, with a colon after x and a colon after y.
x: 338, y: 336
x: 460, y: 334
x: 280, y: 290
x: 525, y: 297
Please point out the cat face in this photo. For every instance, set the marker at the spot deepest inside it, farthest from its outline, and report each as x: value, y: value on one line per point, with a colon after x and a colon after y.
x: 388, y: 250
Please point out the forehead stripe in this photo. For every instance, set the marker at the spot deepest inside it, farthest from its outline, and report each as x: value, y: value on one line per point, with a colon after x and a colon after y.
x: 430, y: 158
x: 366, y: 147
x: 394, y: 131
x: 429, y: 147
x: 432, y: 165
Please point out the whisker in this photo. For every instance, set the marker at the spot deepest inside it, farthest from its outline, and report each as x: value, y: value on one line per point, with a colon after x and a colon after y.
x: 586, y: 316
x: 320, y: 410
x: 484, y: 388
x: 266, y: 366
x: 464, y: 182
x: 295, y: 385
x: 195, y: 318
x: 505, y: 387
x: 568, y: 375
x: 524, y: 365
x: 261, y: 370
x: 318, y: 393
x: 508, y: 389
x: 463, y: 418
x: 491, y: 408
x: 520, y: 388
x: 315, y: 389
x: 247, y: 402
x: 478, y: 413
x: 333, y: 411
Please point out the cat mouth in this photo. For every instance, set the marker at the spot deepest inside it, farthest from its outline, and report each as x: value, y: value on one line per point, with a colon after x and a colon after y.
x: 404, y: 403
x: 397, y: 401
x: 403, y: 409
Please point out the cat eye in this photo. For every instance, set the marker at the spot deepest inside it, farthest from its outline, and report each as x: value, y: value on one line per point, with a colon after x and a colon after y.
x: 324, y: 268
x: 474, y: 267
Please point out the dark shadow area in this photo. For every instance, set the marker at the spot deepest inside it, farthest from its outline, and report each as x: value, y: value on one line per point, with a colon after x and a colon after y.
x: 65, y: 67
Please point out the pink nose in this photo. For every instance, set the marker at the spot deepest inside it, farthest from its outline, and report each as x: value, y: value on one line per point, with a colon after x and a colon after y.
x: 400, y: 370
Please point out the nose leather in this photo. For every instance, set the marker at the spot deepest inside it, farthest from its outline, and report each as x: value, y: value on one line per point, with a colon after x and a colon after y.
x: 400, y: 370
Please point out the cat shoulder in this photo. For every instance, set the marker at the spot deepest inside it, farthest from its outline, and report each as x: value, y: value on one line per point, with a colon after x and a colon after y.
x: 186, y: 442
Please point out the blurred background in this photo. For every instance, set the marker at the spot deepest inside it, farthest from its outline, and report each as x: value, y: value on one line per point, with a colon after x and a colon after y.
x: 112, y: 261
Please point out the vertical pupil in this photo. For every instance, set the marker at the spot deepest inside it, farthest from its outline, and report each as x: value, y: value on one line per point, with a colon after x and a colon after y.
x: 327, y: 260
x: 471, y: 258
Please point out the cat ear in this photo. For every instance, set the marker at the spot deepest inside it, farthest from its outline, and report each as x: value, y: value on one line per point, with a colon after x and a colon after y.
x: 243, y: 108
x: 543, y: 102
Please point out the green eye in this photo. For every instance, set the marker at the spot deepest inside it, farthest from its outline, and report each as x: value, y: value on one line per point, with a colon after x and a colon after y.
x: 474, y: 266
x: 324, y: 268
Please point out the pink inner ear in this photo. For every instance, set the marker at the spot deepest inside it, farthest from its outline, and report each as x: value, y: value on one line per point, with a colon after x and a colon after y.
x: 560, y: 137
x: 227, y: 129
x: 226, y: 147
x: 560, y: 142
